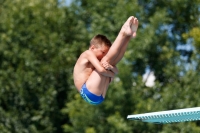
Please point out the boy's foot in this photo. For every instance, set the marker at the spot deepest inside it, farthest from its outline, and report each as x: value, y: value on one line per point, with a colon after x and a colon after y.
x: 130, y: 27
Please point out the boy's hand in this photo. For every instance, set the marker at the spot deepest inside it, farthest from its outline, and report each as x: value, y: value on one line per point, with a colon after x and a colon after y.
x: 107, y: 66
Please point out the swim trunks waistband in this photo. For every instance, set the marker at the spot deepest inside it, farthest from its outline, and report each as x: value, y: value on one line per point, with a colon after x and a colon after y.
x: 90, y: 97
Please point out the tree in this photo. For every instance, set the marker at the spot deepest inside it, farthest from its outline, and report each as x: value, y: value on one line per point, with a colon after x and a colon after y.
x: 37, y: 59
x: 162, y: 24
x: 40, y: 42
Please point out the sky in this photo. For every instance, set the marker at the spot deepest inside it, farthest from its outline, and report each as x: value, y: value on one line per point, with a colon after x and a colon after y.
x: 149, y: 78
x: 68, y: 2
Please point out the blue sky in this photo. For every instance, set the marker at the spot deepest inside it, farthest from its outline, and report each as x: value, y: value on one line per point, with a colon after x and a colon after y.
x: 68, y: 2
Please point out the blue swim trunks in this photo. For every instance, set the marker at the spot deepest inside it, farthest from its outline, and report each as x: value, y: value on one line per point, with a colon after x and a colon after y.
x: 89, y: 97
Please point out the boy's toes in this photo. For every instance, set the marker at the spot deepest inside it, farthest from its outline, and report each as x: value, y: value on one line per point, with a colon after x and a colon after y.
x: 134, y: 25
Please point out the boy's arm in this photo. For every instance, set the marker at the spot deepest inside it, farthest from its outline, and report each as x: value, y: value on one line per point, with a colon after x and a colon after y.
x: 114, y: 69
x: 107, y: 66
x: 95, y: 62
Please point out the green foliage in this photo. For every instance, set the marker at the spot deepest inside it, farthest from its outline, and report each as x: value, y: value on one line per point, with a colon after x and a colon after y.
x: 36, y: 65
x: 40, y: 42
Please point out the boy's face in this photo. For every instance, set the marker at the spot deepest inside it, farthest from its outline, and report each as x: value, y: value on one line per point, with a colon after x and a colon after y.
x: 100, y: 51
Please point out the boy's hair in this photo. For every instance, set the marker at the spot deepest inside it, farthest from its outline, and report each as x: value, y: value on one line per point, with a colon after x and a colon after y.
x: 99, y: 40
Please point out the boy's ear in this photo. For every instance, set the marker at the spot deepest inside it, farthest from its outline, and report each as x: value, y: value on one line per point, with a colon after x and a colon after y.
x: 92, y: 46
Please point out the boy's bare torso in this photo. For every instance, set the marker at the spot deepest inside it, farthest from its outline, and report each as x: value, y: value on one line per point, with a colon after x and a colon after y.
x: 82, y: 70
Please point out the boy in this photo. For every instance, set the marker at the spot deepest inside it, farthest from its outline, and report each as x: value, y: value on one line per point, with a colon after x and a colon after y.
x: 92, y: 77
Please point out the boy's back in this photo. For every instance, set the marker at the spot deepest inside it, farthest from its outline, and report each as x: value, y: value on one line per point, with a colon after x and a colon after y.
x: 82, y: 70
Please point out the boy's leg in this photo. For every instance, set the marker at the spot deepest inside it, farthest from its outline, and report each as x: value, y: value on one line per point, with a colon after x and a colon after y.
x: 121, y: 53
x: 119, y: 46
x: 97, y: 83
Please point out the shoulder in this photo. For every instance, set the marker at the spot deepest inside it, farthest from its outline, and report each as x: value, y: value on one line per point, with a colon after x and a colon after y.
x: 84, y: 57
x: 87, y: 54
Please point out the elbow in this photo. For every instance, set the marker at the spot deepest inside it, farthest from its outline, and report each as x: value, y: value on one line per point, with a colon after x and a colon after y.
x: 106, y: 73
x: 116, y: 73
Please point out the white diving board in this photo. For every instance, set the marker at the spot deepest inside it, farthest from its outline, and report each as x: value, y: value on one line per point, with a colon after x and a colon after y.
x: 170, y: 116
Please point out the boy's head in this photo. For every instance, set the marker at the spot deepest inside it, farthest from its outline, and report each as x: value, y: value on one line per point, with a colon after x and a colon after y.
x: 100, y: 40
x: 100, y: 45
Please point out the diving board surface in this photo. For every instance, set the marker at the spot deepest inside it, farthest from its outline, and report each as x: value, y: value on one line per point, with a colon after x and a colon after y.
x: 170, y: 116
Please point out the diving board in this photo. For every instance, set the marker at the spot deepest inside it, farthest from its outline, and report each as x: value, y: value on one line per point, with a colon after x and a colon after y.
x: 170, y: 116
